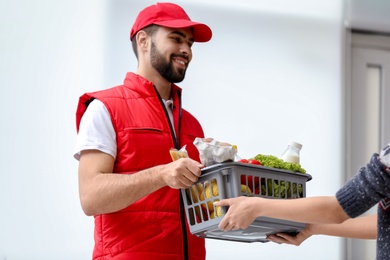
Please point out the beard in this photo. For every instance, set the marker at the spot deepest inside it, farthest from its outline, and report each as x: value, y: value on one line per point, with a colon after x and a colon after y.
x: 165, y: 68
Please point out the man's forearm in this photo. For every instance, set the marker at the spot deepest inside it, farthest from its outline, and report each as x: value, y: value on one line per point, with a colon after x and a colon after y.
x: 110, y: 192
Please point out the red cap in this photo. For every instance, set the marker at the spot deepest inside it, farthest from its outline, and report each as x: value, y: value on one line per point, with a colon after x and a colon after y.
x: 172, y: 16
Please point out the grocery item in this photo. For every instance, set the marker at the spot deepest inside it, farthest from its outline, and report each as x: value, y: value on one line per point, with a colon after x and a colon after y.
x: 245, y: 189
x: 291, y: 154
x: 253, y: 161
x: 275, y: 162
x: 195, y: 190
x: 212, y: 151
x: 177, y: 154
x: 217, y: 212
x: 209, y: 192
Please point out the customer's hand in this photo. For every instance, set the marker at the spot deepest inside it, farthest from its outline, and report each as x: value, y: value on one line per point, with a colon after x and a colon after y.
x: 283, y: 238
x: 241, y: 212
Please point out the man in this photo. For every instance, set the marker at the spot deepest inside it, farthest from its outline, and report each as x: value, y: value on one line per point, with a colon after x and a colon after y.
x: 127, y: 179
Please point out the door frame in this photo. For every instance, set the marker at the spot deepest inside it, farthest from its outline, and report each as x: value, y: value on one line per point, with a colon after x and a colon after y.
x: 371, y: 41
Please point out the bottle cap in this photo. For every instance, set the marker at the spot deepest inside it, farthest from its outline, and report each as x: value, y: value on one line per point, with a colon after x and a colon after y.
x: 295, y: 144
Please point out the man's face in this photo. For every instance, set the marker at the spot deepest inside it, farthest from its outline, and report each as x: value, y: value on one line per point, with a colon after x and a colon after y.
x: 170, y: 53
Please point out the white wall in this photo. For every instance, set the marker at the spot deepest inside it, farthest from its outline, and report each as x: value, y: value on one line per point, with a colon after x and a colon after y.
x: 50, y: 53
x: 271, y: 74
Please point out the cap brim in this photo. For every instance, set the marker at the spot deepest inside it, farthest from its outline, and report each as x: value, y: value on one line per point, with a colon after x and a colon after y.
x: 201, y: 32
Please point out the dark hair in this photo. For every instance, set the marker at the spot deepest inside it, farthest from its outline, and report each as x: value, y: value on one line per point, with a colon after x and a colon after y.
x: 150, y: 30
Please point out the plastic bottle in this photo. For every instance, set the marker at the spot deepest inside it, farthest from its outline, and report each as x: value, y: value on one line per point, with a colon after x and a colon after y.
x: 291, y: 154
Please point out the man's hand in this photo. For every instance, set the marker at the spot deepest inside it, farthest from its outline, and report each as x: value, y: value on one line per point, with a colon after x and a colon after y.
x: 182, y: 173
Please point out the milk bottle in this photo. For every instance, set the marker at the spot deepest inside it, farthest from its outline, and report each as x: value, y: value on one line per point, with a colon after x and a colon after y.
x: 291, y: 154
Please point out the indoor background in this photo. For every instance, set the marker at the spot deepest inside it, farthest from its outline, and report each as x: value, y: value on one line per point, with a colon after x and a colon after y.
x: 273, y: 72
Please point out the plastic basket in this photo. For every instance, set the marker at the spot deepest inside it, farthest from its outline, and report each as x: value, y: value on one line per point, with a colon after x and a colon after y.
x: 233, y: 179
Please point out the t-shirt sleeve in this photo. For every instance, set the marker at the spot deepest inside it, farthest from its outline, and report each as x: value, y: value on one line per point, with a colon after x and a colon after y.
x: 96, y: 131
x: 365, y: 189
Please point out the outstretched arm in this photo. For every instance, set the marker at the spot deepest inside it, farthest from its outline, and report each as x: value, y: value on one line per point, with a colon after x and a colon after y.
x: 360, y: 228
x: 244, y: 210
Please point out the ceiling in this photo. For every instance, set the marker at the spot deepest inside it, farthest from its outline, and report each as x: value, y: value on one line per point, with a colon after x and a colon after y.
x: 368, y: 15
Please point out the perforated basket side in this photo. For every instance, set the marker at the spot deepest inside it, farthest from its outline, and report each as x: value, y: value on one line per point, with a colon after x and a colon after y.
x: 199, y: 199
x: 269, y: 183
x: 229, y: 180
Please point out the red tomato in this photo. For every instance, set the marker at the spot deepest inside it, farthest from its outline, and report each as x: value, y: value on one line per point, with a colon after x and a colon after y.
x: 253, y: 181
x: 244, y: 179
x: 243, y: 160
x: 256, y: 182
x: 253, y: 161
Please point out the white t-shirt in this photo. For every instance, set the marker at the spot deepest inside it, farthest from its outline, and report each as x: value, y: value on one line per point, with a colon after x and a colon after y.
x: 96, y: 131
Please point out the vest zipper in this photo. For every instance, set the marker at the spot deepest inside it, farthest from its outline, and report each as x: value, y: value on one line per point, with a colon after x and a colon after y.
x: 177, y: 146
x: 175, y: 140
x: 182, y: 210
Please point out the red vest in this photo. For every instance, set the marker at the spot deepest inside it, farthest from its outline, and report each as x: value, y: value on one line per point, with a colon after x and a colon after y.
x: 154, y: 227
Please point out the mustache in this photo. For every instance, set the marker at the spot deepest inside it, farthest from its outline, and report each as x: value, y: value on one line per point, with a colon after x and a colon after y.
x: 184, y: 56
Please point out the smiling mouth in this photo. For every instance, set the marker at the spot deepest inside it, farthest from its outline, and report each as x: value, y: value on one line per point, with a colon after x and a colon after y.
x: 181, y: 61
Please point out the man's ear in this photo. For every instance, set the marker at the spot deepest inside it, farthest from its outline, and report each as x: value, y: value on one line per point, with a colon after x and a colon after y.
x: 142, y: 40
